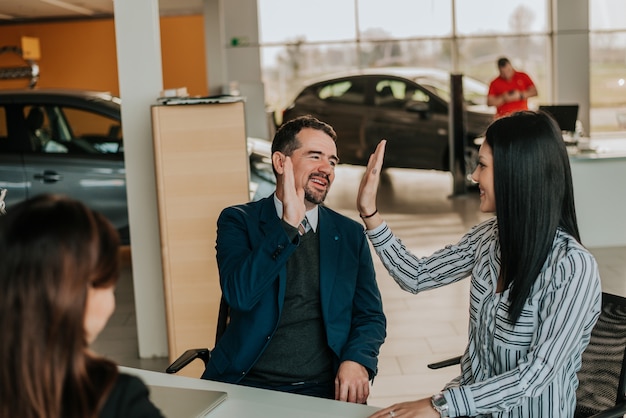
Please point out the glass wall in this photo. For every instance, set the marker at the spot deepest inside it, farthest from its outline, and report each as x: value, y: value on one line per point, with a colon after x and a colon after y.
x: 607, y: 24
x: 303, y: 41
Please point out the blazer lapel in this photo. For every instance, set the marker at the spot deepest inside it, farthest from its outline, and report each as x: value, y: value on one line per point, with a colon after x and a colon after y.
x: 267, y: 214
x: 330, y: 249
x: 267, y: 221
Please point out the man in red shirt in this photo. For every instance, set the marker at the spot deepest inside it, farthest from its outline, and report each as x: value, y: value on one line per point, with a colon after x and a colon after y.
x: 510, y: 90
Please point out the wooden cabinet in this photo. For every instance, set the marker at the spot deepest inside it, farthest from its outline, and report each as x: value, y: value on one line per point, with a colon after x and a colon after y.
x: 201, y: 164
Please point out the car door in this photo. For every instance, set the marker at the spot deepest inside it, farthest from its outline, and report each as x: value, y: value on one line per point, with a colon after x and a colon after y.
x: 79, y: 153
x: 13, y: 141
x: 415, y: 125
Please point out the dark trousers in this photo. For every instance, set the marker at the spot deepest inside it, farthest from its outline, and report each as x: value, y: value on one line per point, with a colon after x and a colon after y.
x: 316, y: 389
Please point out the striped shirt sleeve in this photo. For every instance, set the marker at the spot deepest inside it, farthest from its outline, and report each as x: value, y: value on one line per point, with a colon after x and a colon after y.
x: 523, y: 369
x: 415, y: 274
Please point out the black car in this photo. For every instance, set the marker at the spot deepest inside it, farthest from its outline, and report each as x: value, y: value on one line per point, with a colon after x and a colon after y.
x: 406, y: 106
x: 70, y: 142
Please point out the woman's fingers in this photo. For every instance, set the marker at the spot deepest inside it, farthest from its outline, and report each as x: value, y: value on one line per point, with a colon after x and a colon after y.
x: 366, y: 200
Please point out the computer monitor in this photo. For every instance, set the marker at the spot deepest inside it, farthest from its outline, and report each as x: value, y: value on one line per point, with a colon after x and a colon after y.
x: 565, y: 115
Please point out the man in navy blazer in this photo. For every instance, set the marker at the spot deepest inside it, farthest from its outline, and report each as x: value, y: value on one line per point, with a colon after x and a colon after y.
x: 306, y: 314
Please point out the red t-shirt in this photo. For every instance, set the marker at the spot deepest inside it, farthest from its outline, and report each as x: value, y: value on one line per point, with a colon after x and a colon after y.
x: 520, y: 81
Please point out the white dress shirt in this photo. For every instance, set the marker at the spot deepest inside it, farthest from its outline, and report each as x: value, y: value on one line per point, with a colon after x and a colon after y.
x: 312, y: 215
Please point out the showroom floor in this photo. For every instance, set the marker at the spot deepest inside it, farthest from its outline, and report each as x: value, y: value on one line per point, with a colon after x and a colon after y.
x: 421, y: 328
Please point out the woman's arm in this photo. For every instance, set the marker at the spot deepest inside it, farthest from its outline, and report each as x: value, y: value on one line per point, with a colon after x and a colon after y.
x: 414, y: 274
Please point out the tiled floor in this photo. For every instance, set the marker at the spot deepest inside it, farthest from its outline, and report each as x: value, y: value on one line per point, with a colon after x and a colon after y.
x: 421, y: 328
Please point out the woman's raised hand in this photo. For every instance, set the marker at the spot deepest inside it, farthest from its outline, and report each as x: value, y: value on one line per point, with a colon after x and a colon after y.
x: 366, y: 199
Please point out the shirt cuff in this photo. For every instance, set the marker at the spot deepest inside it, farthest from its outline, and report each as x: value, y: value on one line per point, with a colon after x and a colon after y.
x: 379, y: 235
x: 460, y: 402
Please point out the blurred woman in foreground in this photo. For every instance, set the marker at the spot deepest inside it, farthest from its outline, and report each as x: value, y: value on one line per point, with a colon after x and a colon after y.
x: 59, y: 264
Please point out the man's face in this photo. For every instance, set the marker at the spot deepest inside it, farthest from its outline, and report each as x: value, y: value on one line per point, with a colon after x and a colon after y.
x: 314, y: 165
x: 507, y: 71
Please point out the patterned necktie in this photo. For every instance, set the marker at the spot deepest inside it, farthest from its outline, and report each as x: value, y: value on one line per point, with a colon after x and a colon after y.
x: 303, y: 226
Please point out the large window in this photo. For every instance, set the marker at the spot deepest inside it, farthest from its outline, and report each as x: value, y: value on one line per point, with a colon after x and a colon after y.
x: 607, y: 23
x: 303, y: 40
x: 401, y: 19
x: 489, y: 17
x: 285, y: 21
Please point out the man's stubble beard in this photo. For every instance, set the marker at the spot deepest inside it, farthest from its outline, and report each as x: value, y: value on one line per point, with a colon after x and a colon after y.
x: 310, y: 196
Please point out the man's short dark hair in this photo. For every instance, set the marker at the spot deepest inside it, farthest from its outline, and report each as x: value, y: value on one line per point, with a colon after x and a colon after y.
x: 503, y: 62
x: 285, y: 139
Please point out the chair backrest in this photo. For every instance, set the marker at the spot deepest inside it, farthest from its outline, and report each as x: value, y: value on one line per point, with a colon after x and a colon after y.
x: 34, y: 122
x: 386, y: 92
x: 204, y: 354
x: 601, y: 377
x: 385, y: 97
x: 35, y: 118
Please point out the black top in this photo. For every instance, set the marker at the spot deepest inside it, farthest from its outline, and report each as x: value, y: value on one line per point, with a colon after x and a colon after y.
x: 129, y: 399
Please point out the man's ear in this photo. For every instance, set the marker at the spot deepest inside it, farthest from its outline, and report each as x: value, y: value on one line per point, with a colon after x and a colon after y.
x: 278, y: 161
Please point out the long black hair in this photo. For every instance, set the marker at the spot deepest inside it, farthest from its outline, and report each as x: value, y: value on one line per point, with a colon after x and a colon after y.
x: 534, y: 196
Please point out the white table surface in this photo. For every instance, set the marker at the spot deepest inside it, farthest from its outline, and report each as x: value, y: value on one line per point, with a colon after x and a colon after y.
x: 246, y: 402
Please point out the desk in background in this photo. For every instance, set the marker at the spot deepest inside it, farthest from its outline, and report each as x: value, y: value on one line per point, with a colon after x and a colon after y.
x: 245, y: 401
x: 598, y: 174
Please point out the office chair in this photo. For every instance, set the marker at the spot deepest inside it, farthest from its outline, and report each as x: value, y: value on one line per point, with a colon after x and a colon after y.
x: 385, y: 97
x: 602, y: 378
x: 203, y: 353
x: 601, y: 391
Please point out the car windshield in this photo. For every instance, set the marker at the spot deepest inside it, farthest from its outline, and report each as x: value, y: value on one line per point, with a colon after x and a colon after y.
x: 474, y: 91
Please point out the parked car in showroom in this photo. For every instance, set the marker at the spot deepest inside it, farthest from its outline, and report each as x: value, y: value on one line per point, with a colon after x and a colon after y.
x: 70, y: 142
x: 406, y: 106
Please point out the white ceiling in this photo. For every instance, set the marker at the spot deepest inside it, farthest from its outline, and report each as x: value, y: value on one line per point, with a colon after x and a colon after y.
x: 26, y: 10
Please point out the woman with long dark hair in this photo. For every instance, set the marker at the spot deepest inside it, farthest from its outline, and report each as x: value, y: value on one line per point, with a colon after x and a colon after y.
x: 535, y: 290
x: 59, y: 264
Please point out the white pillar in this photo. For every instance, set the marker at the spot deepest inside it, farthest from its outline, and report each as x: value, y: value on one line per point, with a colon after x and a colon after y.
x: 214, y: 46
x: 243, y: 61
x: 231, y: 32
x: 570, y: 56
x: 138, y: 42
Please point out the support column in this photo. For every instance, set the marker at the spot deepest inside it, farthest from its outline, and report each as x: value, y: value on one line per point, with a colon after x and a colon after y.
x: 215, y: 46
x: 570, y: 56
x: 233, y: 57
x: 243, y: 61
x: 457, y: 135
x: 137, y: 34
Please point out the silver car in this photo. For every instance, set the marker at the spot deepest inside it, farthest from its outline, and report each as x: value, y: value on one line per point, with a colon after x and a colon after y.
x: 70, y: 142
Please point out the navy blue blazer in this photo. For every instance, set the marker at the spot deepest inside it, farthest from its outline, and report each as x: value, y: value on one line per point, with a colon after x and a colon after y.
x: 252, y: 253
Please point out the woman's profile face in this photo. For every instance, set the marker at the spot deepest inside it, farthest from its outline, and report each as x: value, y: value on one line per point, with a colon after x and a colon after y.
x: 100, y: 306
x: 483, y: 175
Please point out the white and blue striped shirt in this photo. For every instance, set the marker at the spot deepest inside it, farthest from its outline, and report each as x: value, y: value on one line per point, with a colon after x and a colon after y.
x: 522, y: 370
